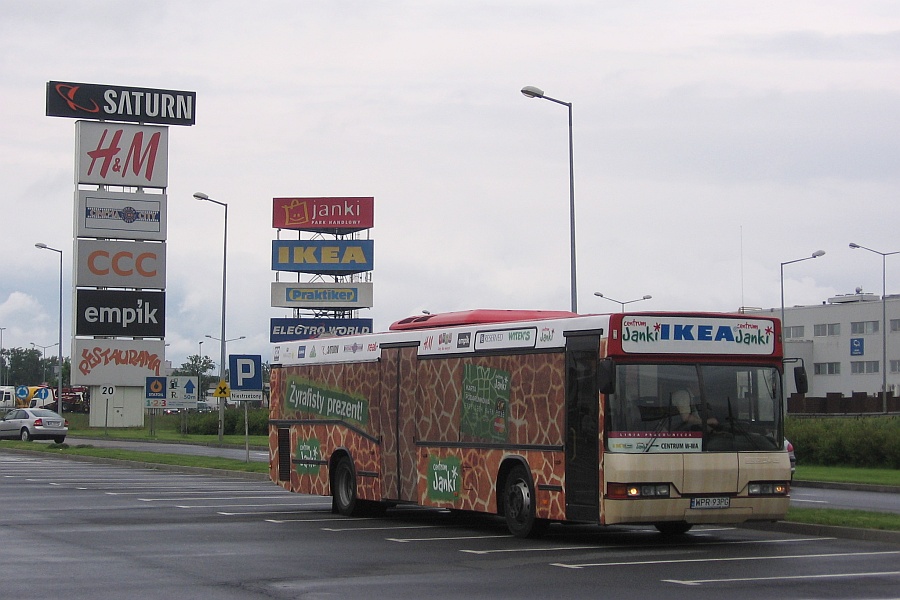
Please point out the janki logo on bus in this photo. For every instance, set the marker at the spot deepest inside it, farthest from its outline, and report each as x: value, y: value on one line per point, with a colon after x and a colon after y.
x: 443, y: 478
x: 640, y: 334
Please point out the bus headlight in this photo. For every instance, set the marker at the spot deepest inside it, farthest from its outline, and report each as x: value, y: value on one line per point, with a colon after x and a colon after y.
x: 768, y: 488
x: 637, y: 490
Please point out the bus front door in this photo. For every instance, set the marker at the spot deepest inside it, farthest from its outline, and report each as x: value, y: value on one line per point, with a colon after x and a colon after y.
x: 582, y: 429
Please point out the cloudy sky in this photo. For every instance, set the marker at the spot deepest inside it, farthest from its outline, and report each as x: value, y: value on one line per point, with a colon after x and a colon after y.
x: 713, y: 141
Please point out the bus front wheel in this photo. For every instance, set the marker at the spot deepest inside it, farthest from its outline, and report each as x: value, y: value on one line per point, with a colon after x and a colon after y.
x: 344, y: 488
x: 519, y: 505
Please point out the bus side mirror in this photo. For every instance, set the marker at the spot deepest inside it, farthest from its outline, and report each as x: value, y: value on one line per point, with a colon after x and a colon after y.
x: 800, y: 380
x: 606, y: 376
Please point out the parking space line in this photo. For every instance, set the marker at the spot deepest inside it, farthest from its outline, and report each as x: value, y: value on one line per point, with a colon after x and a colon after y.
x: 447, y: 538
x: 341, y: 529
x: 655, y: 546
x: 709, y: 560
x: 780, y: 578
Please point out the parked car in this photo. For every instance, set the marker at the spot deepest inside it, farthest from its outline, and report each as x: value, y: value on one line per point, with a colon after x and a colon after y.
x: 28, y: 424
x: 790, y: 450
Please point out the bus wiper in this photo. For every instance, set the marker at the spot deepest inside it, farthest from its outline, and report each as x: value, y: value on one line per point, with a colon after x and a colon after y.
x: 738, y: 428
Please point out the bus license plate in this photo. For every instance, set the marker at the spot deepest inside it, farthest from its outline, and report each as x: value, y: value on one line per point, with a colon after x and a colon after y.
x: 717, y: 502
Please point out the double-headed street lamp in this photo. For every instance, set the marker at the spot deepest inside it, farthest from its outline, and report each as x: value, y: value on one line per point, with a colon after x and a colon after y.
x: 601, y: 295
x: 202, y: 196
x: 43, y: 357
x: 884, y: 324
x: 533, y: 92
x: 59, y: 380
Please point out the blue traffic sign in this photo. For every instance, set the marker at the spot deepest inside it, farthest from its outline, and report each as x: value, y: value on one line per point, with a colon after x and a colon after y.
x: 245, y: 372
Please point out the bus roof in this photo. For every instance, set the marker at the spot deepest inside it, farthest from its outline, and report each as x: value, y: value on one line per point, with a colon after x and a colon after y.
x: 477, y: 317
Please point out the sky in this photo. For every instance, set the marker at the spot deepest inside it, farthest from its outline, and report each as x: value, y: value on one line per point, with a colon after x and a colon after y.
x: 713, y: 141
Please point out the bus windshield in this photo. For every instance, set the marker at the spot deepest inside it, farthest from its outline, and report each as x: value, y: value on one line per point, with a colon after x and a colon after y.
x: 695, y: 408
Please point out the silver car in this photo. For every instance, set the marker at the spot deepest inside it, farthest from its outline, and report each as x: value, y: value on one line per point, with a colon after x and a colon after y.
x: 28, y: 424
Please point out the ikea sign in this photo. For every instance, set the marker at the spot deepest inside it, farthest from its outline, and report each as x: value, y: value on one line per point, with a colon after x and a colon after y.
x: 327, y: 257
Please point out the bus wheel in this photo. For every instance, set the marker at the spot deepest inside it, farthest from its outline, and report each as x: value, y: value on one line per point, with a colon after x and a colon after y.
x: 344, y: 488
x: 519, y: 505
x: 673, y: 527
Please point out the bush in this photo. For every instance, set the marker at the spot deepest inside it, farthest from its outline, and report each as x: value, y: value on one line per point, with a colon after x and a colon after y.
x: 846, y: 441
x: 207, y: 423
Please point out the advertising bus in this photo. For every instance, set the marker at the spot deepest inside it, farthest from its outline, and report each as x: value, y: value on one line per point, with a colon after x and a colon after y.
x: 669, y: 419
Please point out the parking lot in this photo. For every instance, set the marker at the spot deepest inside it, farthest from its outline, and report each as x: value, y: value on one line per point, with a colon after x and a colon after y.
x: 86, y: 530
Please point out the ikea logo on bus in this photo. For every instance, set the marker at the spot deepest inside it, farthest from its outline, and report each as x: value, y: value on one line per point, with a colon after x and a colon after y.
x: 329, y: 257
x: 746, y: 333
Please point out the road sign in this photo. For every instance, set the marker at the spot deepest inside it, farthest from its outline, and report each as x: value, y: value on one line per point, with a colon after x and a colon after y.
x: 246, y: 396
x: 182, y: 392
x: 222, y: 390
x: 155, y: 388
x: 245, y: 371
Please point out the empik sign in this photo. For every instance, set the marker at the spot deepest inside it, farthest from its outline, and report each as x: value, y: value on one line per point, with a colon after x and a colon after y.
x: 119, y: 313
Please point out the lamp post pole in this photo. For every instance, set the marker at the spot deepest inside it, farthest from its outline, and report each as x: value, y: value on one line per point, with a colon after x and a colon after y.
x: 884, y: 324
x: 202, y: 196
x: 199, y: 373
x: 59, y: 349
x: 533, y: 92
x: 600, y: 295
x: 2, y: 329
x: 815, y: 254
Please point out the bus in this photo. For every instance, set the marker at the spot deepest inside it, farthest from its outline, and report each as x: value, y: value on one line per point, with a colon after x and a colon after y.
x: 663, y: 419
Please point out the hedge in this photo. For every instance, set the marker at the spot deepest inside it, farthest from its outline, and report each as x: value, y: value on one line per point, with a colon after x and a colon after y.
x: 846, y: 441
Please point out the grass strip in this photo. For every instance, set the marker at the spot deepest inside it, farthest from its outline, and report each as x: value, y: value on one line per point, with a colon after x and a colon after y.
x: 182, y: 460
x: 848, y: 475
x: 859, y: 519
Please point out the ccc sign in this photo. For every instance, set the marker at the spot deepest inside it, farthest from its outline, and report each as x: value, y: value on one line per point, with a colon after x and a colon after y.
x: 121, y: 264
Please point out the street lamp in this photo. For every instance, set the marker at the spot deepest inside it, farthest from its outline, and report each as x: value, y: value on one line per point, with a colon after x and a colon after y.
x: 2, y: 329
x: 43, y: 246
x: 43, y: 358
x: 884, y: 359
x: 202, y: 196
x: 533, y: 92
x: 645, y: 297
x: 815, y: 254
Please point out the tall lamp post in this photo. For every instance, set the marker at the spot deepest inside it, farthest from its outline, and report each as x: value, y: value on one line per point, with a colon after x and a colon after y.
x: 884, y: 358
x: 43, y: 246
x: 223, y: 342
x: 2, y: 329
x: 533, y: 92
x: 815, y: 254
x: 202, y: 196
x: 601, y: 295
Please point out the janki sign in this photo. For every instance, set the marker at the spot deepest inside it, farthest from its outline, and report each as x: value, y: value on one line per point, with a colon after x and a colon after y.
x: 648, y: 334
x: 345, y: 215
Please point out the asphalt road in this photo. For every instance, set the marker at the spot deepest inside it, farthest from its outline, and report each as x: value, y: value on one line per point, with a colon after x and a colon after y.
x: 96, y: 531
x: 801, y: 496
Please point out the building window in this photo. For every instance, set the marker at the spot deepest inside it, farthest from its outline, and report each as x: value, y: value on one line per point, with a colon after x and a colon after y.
x: 895, y: 325
x: 895, y: 366
x: 860, y: 367
x: 793, y: 332
x: 864, y: 327
x: 831, y: 368
x: 827, y: 329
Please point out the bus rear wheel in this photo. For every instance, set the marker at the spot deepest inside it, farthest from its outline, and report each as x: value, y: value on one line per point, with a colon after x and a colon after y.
x: 519, y: 505
x: 344, y: 488
x: 673, y: 527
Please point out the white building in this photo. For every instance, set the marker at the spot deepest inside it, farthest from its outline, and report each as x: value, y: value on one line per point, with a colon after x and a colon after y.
x: 840, y: 342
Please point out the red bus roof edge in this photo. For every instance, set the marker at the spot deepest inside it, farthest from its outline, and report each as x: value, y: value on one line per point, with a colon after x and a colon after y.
x: 477, y: 317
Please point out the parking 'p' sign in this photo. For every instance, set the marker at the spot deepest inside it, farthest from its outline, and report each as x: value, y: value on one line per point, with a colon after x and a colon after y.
x: 245, y: 371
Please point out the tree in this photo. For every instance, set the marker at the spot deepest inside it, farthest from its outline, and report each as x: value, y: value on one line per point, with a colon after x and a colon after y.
x: 198, y: 366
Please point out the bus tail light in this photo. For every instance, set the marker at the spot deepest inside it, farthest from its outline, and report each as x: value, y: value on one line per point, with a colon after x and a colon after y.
x: 768, y: 488
x: 621, y: 491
